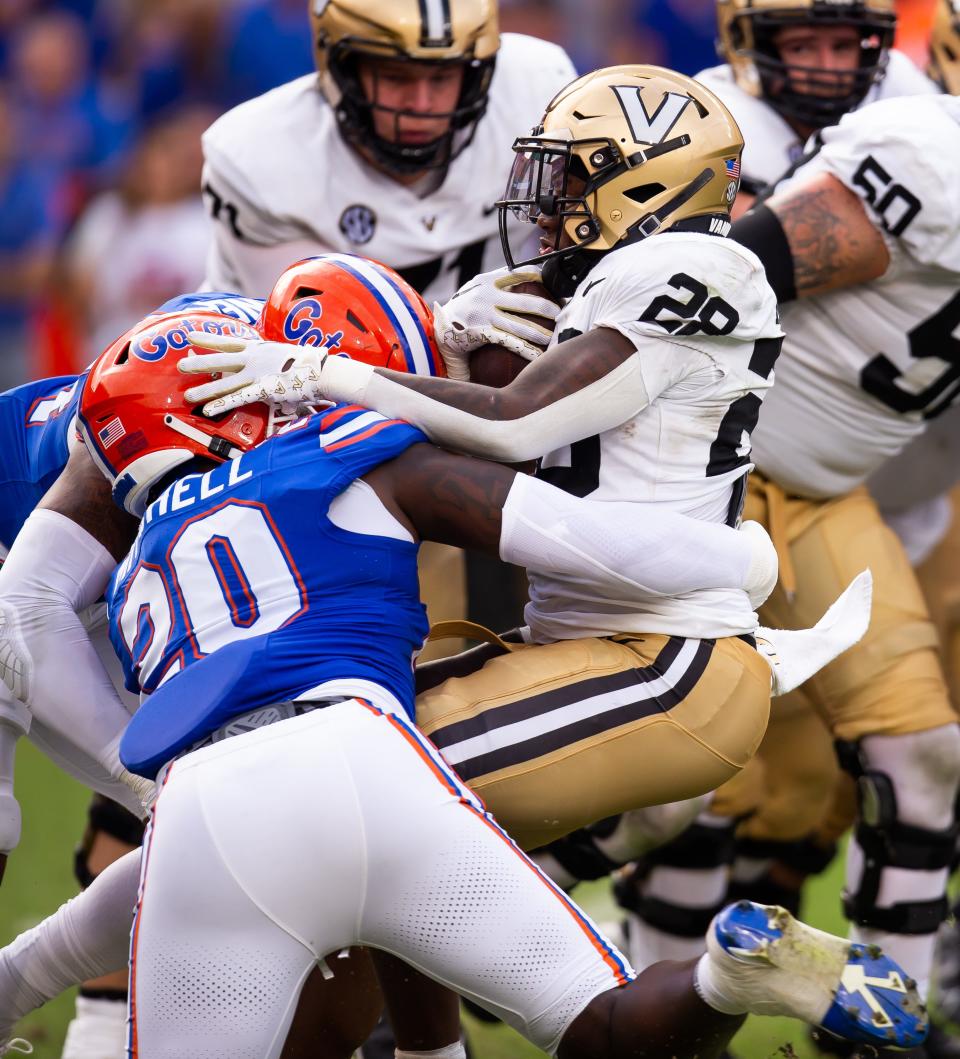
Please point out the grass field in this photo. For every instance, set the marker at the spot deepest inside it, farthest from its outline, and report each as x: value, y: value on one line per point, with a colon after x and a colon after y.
x: 39, y: 877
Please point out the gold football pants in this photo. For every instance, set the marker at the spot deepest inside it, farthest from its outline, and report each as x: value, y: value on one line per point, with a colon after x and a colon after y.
x: 891, y: 683
x: 556, y: 736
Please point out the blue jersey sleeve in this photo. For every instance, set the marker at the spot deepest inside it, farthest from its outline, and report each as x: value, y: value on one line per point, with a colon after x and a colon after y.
x: 35, y: 424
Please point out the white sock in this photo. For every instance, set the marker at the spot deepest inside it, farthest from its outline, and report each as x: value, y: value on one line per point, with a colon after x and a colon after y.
x: 87, y: 937
x: 98, y: 1031
x: 711, y: 988
x: 451, y: 1051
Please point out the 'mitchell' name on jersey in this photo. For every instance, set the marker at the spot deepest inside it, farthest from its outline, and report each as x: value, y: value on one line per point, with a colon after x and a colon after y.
x: 703, y: 319
x: 771, y: 145
x: 864, y: 369
x: 282, y: 184
x: 244, y: 588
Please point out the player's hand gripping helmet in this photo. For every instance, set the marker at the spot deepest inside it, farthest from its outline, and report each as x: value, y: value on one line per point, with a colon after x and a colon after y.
x: 462, y: 32
x: 945, y: 46
x: 358, y: 307
x: 747, y: 29
x: 622, y: 154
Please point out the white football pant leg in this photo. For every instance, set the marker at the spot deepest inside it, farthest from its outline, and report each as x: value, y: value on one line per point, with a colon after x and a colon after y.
x: 273, y: 849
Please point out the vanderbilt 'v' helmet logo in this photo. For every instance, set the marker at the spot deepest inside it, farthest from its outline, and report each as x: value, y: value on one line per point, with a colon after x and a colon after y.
x: 646, y: 127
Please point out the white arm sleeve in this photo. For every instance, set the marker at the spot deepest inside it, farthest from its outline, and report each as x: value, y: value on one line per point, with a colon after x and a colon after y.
x: 601, y: 406
x: 55, y: 569
x: 87, y: 937
x: 14, y: 722
x: 624, y: 547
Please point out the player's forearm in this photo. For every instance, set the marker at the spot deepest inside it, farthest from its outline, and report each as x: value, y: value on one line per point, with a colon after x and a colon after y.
x: 832, y: 241
x: 55, y: 569
x: 622, y: 548
x: 495, y: 424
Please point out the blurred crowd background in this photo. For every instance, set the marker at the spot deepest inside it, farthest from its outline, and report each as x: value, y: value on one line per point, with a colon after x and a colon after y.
x: 102, y: 103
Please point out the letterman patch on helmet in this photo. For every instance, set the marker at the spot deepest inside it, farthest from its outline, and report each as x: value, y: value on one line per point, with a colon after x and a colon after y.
x: 358, y: 223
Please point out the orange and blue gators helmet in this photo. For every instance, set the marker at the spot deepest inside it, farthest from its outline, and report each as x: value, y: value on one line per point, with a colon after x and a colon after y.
x: 134, y: 417
x: 355, y: 307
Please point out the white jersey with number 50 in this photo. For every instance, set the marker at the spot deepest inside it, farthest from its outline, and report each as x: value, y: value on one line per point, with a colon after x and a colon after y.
x: 864, y: 369
x: 281, y: 184
x: 703, y: 320
x: 771, y: 146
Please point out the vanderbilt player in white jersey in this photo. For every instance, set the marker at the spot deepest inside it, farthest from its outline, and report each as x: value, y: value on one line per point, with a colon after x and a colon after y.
x: 653, y: 380
x: 395, y: 149
x: 867, y: 236
x: 792, y: 67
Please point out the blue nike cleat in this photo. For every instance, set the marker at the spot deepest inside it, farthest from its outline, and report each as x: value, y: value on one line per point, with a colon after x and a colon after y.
x: 772, y: 964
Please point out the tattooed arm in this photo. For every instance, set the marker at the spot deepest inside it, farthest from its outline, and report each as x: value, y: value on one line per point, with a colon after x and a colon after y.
x: 831, y: 240
x: 82, y: 494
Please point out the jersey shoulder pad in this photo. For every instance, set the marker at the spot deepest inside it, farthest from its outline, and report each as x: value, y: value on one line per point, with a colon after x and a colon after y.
x: 684, y: 269
x: 903, y: 78
x: 902, y: 157
x: 255, y: 156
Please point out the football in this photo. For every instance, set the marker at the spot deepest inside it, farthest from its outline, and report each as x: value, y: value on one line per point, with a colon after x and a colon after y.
x: 492, y: 365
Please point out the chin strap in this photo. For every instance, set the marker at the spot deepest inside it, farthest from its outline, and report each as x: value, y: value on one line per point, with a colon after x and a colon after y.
x: 215, y: 445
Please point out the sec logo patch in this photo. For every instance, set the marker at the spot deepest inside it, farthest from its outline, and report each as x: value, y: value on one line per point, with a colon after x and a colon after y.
x: 358, y: 223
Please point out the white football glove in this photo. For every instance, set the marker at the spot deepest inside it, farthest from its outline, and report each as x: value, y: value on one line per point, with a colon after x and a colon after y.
x: 487, y: 310
x: 285, y: 376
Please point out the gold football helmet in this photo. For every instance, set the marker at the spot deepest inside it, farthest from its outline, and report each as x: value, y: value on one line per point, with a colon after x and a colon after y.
x: 464, y: 32
x: 622, y: 154
x: 945, y: 46
x: 747, y: 30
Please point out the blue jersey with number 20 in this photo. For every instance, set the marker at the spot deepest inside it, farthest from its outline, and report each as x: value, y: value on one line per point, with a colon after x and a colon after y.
x: 239, y: 591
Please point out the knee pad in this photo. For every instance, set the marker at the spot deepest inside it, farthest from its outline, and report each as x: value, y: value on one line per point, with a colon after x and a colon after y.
x: 579, y: 854
x: 887, y: 841
x: 701, y: 847
x: 107, y: 817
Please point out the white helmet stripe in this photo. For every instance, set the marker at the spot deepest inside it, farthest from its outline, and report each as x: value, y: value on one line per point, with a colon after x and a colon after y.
x: 435, y: 19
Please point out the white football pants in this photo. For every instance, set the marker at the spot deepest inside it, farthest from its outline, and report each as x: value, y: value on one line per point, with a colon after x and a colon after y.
x: 273, y: 849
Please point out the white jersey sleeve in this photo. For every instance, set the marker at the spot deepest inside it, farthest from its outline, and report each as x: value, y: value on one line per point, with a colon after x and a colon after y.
x: 902, y: 157
x: 865, y: 368
x: 281, y: 183
x: 703, y: 319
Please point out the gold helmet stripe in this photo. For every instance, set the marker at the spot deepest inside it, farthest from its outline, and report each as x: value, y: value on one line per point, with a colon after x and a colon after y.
x: 435, y: 20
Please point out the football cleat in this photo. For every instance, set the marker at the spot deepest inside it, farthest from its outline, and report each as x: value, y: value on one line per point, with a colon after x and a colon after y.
x: 775, y: 965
